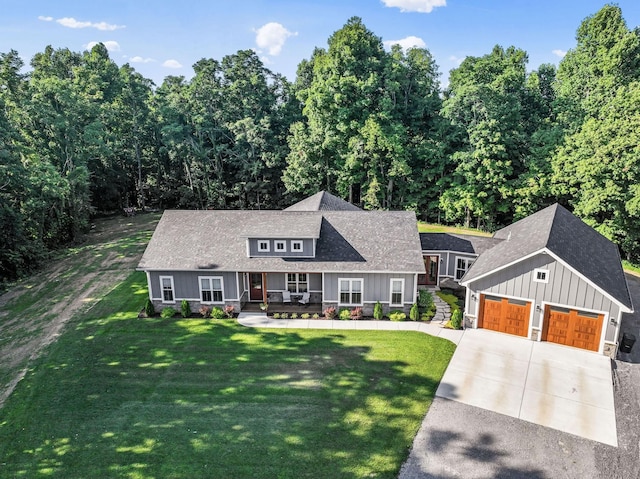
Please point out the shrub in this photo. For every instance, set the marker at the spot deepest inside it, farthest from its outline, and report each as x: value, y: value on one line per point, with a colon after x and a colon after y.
x: 217, y: 313
x: 356, y: 313
x: 344, y: 313
x: 284, y: 316
x: 229, y: 310
x: 397, y: 316
x: 204, y: 311
x: 456, y: 319
x: 167, y: 313
x: 294, y: 315
x: 330, y: 312
x: 185, y: 309
x: 315, y: 316
x: 149, y: 309
x: 414, y: 314
x: 276, y: 315
x: 305, y: 315
x: 377, y: 311
x: 425, y: 301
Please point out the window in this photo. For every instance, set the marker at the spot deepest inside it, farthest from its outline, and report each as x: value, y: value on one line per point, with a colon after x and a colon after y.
x: 397, y: 290
x: 210, y: 289
x: 263, y: 246
x: 297, y: 282
x: 296, y: 246
x: 350, y: 291
x: 541, y: 275
x: 166, y: 284
x: 462, y: 265
x: 280, y: 246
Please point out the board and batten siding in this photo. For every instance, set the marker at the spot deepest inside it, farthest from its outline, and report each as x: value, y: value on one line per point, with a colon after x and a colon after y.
x: 307, y: 248
x: 376, y: 287
x: 187, y: 287
x: 447, y: 266
x: 278, y: 281
x: 564, y: 288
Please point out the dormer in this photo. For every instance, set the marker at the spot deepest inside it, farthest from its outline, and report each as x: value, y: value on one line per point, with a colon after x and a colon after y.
x: 292, y: 235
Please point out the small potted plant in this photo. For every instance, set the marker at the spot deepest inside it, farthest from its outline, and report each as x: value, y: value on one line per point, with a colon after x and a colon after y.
x: 264, y: 306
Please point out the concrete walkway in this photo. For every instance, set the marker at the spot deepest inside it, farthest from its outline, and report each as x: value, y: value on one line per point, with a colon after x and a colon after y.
x: 434, y: 328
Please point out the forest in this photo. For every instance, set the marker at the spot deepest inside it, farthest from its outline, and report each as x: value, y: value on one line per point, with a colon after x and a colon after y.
x: 82, y: 137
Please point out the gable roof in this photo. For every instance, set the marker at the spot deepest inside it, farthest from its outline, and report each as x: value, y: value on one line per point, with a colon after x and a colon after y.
x: 350, y: 241
x: 560, y: 232
x: 323, y: 201
x: 472, y: 244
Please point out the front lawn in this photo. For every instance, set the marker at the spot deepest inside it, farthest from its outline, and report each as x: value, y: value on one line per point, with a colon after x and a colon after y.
x: 118, y: 396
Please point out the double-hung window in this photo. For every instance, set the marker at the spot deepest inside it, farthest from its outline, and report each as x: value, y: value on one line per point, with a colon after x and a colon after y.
x: 462, y: 265
x: 166, y: 284
x: 397, y: 292
x: 350, y: 291
x: 297, y: 282
x: 210, y: 289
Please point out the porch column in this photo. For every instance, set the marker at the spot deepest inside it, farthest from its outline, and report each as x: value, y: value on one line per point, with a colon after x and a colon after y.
x: 264, y: 288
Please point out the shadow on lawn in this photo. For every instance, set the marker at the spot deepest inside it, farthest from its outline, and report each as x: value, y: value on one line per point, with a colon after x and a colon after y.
x: 194, y: 398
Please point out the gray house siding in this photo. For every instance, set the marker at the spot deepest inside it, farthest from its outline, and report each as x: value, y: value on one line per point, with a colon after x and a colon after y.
x: 186, y: 284
x: 376, y: 287
x: 447, y: 267
x: 307, y: 248
x: 564, y: 288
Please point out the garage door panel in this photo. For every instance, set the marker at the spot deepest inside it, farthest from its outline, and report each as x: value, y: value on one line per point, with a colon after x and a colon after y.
x: 505, y: 315
x: 572, y: 328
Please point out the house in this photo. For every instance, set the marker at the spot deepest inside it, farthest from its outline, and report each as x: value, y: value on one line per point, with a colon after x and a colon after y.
x: 549, y: 277
x: 339, y: 254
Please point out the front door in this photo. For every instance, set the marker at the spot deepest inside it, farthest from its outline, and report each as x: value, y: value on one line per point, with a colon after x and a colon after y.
x: 255, y: 286
x: 431, y: 271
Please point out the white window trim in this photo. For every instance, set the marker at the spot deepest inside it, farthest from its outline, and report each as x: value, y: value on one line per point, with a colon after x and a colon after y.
x: 351, y: 280
x: 468, y: 263
x: 211, y: 278
x: 297, y: 281
x: 173, y: 289
x: 540, y: 270
x: 261, y: 249
x: 280, y: 246
x: 401, y: 303
x: 293, y: 246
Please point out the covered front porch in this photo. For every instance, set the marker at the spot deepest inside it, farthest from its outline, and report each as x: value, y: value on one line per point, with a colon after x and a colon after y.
x: 279, y: 307
x: 269, y: 288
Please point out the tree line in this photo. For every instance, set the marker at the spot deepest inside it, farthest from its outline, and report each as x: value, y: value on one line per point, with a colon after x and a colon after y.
x: 80, y: 136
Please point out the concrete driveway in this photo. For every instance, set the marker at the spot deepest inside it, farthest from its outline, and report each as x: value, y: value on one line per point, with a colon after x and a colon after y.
x: 547, y: 384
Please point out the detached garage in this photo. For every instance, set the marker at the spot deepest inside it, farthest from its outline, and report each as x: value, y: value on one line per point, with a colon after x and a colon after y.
x: 550, y: 277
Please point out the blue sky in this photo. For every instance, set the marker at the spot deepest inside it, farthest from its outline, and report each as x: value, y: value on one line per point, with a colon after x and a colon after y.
x: 163, y: 37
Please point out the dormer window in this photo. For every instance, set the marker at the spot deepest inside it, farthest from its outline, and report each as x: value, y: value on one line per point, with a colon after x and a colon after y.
x: 296, y: 246
x: 263, y: 246
x: 280, y: 246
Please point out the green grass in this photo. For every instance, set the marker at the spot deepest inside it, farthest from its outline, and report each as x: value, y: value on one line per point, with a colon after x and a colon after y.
x: 435, y: 228
x: 630, y: 267
x: 118, y: 396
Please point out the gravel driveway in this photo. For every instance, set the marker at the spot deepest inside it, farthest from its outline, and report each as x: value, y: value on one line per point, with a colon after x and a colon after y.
x: 460, y: 441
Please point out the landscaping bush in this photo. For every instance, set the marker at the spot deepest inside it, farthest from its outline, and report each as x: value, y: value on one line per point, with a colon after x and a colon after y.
x: 305, y: 316
x: 356, y: 313
x: 149, y: 309
x: 425, y: 300
x: 330, y: 312
x: 284, y: 316
x: 217, y: 313
x: 377, y: 311
x: 276, y: 315
x: 204, y: 311
x: 294, y: 315
x: 229, y: 310
x: 315, y: 316
x: 456, y: 319
x: 185, y: 309
x: 414, y: 314
x: 344, y: 314
x: 397, y: 316
x: 168, y: 313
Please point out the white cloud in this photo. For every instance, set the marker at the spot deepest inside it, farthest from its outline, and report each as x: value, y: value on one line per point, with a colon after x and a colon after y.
x: 560, y: 53
x: 421, y: 6
x: 45, y: 19
x: 110, y: 45
x: 272, y: 37
x: 407, y: 43
x: 456, y: 60
x: 172, y: 64
x: 139, y: 59
x: 71, y: 22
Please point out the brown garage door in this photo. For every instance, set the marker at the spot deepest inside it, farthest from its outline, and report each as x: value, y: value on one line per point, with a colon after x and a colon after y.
x: 504, y: 315
x: 571, y: 327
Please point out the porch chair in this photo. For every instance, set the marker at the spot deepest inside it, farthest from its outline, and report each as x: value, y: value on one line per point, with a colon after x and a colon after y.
x: 305, y: 299
x: 286, y: 296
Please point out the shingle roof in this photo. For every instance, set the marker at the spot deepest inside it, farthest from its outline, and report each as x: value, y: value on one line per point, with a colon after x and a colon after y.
x: 358, y: 241
x: 472, y: 244
x: 323, y: 201
x: 569, y: 238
